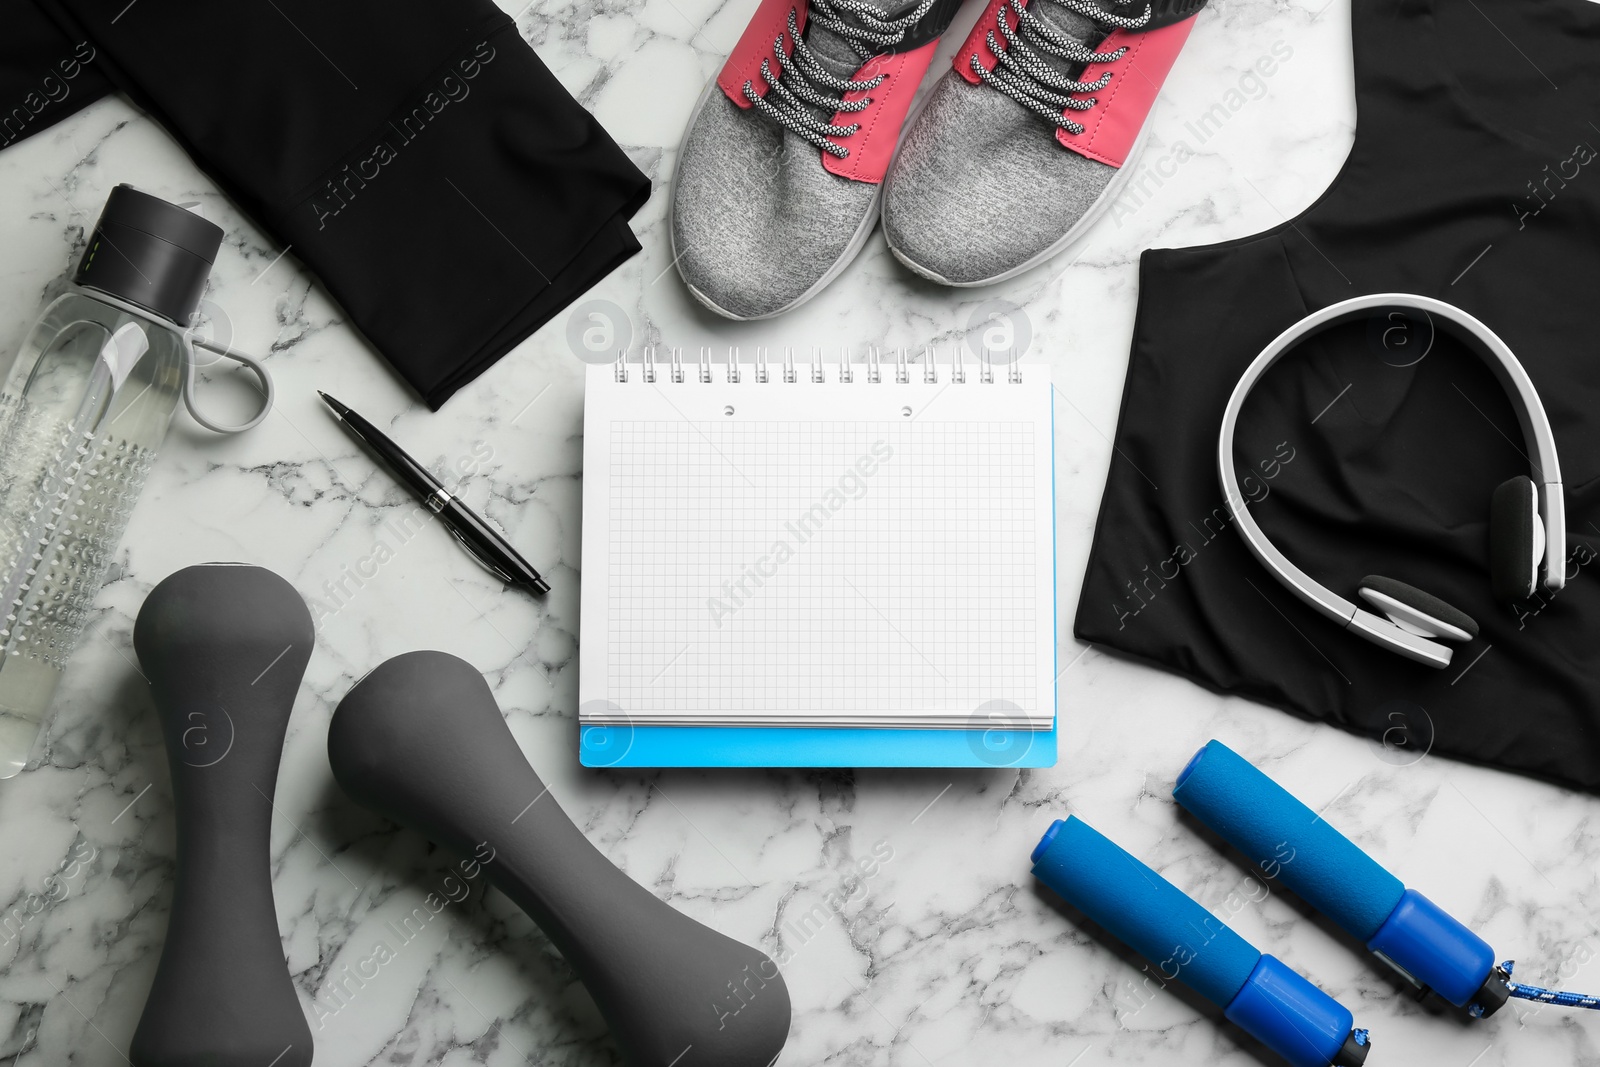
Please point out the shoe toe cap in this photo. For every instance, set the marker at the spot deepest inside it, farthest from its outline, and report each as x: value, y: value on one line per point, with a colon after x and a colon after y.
x: 757, y: 222
x: 981, y: 187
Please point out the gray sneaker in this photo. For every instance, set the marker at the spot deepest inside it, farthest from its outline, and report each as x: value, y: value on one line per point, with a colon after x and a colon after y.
x: 1019, y: 149
x: 780, y: 170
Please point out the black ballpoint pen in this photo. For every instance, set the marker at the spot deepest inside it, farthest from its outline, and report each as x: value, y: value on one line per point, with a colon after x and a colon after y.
x: 479, y: 538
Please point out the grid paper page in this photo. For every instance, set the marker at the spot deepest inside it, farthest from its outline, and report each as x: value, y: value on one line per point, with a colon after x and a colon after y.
x: 839, y: 554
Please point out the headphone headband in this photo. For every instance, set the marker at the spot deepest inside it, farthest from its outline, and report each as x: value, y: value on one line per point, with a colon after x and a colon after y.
x: 1540, y: 441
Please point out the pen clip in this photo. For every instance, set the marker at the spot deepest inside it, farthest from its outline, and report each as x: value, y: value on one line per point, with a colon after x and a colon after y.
x: 487, y: 564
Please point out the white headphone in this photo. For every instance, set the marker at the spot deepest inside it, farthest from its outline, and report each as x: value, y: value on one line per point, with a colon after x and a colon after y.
x: 1527, y: 526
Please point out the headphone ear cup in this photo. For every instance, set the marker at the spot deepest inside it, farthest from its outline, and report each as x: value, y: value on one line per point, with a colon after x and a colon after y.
x: 1516, y: 539
x: 1416, y: 611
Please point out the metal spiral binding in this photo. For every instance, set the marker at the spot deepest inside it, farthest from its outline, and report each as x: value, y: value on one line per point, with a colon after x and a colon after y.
x: 819, y: 372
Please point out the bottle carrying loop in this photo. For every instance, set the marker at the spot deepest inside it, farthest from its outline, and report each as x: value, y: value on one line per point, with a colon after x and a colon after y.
x: 190, y: 343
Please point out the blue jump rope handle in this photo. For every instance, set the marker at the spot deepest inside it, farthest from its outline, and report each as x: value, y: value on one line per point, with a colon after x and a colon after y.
x: 1290, y: 842
x: 1186, y: 942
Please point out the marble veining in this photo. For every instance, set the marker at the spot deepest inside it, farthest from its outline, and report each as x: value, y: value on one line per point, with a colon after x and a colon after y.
x: 900, y: 901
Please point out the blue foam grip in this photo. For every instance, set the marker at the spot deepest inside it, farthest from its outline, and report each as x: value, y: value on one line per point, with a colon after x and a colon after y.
x: 1144, y: 911
x: 1291, y: 1016
x: 1423, y: 940
x: 1288, y: 840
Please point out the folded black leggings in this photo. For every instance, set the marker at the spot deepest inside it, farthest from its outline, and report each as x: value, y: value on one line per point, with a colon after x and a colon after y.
x: 415, y: 154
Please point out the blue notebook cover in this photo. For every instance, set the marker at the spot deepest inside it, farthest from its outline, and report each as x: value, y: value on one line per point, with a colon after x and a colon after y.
x: 617, y: 426
x: 780, y: 746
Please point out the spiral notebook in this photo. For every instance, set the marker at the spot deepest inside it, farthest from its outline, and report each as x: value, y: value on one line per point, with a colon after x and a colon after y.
x: 818, y: 564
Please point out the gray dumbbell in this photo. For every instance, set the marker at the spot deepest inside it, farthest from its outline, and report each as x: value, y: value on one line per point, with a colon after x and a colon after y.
x: 224, y: 646
x: 421, y: 741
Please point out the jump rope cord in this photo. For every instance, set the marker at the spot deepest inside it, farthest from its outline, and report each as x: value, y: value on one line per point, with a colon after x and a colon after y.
x: 1548, y: 996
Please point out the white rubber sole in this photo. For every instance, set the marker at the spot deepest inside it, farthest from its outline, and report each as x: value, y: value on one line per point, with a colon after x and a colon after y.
x: 1102, y: 203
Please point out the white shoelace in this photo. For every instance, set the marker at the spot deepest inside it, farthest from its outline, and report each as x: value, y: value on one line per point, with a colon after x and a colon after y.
x: 1022, y: 73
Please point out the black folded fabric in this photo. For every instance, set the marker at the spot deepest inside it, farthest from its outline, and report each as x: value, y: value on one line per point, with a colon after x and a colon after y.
x: 415, y: 154
x: 44, y: 75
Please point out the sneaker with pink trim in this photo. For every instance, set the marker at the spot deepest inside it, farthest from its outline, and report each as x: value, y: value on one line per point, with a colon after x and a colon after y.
x: 779, y: 174
x: 1019, y: 149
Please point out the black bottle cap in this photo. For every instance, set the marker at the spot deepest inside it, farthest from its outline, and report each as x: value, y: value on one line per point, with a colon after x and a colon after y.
x: 150, y: 253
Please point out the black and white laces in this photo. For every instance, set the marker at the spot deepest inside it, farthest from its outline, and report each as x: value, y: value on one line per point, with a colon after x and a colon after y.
x: 799, y: 88
x: 1022, y: 73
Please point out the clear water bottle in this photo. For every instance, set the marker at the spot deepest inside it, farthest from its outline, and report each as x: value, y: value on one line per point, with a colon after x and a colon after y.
x: 82, y: 413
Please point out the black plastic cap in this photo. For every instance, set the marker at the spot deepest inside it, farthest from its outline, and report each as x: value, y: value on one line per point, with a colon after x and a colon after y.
x: 150, y: 253
x: 1493, y: 996
x: 1354, y: 1052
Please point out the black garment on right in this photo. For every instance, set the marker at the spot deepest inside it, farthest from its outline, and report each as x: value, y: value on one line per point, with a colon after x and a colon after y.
x: 1474, y: 178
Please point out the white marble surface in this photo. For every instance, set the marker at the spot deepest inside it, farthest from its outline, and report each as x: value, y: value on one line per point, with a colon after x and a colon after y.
x: 950, y: 954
